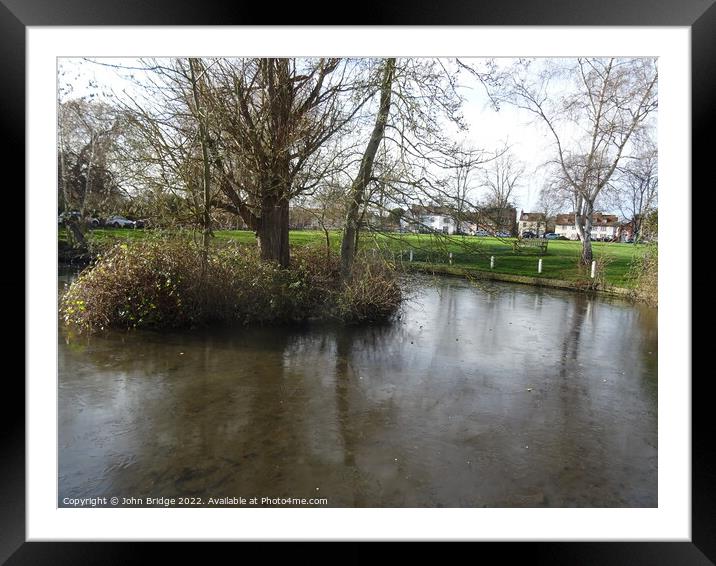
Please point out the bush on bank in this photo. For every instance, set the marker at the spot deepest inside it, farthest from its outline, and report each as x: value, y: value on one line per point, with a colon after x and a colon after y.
x: 170, y: 283
x: 645, y: 273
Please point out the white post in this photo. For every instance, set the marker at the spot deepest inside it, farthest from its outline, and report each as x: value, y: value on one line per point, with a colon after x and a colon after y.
x: 492, y: 262
x: 539, y: 266
x: 411, y: 255
x: 594, y: 268
x: 450, y: 258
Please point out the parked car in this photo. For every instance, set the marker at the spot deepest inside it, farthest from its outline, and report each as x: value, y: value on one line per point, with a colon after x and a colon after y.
x: 481, y: 233
x: 120, y: 222
x: 503, y: 235
x: 550, y: 236
x: 65, y: 216
x: 529, y: 234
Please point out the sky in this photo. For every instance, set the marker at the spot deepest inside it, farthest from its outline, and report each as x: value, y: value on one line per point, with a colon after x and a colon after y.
x: 488, y: 129
x: 528, y: 140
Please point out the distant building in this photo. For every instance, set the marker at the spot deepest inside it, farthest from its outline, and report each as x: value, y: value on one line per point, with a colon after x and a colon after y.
x: 533, y: 221
x: 442, y: 219
x: 628, y: 230
x: 428, y: 219
x: 605, y: 227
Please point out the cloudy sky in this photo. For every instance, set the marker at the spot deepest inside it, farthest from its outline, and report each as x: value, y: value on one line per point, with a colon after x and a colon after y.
x: 528, y: 139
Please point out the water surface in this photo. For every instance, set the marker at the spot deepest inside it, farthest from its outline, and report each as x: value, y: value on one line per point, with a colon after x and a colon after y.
x: 499, y: 395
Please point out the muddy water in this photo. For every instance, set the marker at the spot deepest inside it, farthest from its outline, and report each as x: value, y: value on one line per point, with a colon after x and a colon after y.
x: 500, y: 396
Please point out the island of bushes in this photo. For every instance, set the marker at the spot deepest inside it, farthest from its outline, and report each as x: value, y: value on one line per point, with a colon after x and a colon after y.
x: 172, y: 283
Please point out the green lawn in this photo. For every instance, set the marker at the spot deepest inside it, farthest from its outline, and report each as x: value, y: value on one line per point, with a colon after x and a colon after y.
x: 560, y: 261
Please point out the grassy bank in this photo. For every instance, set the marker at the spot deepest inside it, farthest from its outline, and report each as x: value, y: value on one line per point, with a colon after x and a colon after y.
x: 559, y: 263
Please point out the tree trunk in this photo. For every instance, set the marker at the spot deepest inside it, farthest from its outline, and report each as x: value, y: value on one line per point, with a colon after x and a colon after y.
x: 636, y: 233
x: 327, y: 235
x: 206, y: 166
x: 587, y: 250
x: 584, y: 229
x: 66, y: 196
x: 88, y: 178
x: 357, y: 191
x: 272, y: 231
x: 76, y: 229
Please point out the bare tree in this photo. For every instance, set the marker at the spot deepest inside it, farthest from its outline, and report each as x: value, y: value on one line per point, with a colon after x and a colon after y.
x: 362, y: 179
x: 634, y: 190
x: 87, y: 132
x: 501, y: 178
x: 551, y: 201
x: 467, y: 161
x: 200, y: 111
x: 275, y: 117
x: 249, y: 135
x: 417, y: 161
x: 593, y: 109
x: 418, y: 158
x: 172, y: 112
x: 325, y: 206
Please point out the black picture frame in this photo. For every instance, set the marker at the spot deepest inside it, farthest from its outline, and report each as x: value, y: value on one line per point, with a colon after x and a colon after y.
x: 698, y: 15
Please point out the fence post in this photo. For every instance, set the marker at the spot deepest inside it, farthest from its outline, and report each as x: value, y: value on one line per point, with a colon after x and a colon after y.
x: 594, y: 268
x: 411, y: 255
x: 539, y: 265
x: 450, y: 258
x: 492, y: 262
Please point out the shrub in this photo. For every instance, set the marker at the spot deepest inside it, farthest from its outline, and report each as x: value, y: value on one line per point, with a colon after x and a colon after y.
x: 151, y: 285
x: 171, y: 282
x: 644, y: 271
x: 373, y: 294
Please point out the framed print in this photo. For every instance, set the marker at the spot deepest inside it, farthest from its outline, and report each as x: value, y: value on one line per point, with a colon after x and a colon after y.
x: 361, y: 421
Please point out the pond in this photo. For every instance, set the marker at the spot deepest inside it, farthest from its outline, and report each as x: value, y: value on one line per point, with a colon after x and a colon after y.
x: 489, y: 395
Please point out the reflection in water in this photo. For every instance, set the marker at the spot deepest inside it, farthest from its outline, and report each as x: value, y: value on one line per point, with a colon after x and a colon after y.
x: 494, y: 396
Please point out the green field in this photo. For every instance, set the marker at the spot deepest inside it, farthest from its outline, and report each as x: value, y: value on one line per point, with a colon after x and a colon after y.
x: 559, y: 262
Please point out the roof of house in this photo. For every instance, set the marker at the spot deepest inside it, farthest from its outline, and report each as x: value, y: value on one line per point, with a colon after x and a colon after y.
x: 598, y: 219
x: 532, y: 217
x: 562, y: 219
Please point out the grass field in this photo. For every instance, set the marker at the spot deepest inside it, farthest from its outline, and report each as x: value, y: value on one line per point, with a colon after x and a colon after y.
x: 559, y: 262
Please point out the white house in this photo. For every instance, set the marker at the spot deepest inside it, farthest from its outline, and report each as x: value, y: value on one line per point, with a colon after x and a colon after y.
x: 605, y: 227
x: 429, y: 219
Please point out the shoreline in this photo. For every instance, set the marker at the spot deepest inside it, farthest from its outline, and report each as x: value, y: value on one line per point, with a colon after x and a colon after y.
x: 577, y: 286
x: 70, y: 260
